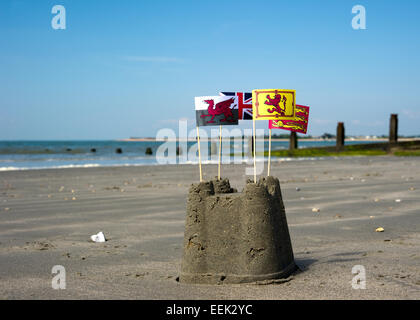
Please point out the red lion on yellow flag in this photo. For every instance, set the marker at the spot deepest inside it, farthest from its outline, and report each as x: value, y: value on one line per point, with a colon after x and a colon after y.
x: 275, y: 102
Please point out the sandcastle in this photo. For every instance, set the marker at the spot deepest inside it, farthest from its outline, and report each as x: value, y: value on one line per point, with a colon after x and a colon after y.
x: 233, y: 237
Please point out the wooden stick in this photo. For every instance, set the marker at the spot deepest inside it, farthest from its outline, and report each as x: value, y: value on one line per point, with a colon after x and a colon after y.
x: 269, y: 152
x: 199, y: 154
x: 255, y: 151
x: 220, y: 149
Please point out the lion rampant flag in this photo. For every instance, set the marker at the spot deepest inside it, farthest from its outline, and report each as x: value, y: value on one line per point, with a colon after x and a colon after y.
x: 217, y: 110
x: 298, y: 124
x: 273, y: 104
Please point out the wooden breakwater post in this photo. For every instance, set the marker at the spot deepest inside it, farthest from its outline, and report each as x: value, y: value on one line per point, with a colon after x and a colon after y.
x: 293, y: 144
x: 340, y: 136
x: 250, y: 150
x: 213, y: 148
x: 393, y: 128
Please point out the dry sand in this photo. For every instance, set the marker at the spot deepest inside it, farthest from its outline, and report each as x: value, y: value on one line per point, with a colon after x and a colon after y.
x: 47, y: 217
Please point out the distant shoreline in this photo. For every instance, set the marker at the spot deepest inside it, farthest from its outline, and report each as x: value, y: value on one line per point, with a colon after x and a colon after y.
x: 273, y: 139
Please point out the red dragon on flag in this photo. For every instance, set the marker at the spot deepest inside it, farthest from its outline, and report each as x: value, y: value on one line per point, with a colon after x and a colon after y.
x: 220, y: 108
x: 216, y: 110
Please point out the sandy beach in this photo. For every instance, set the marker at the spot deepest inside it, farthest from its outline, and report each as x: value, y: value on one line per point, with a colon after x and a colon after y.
x: 48, y: 216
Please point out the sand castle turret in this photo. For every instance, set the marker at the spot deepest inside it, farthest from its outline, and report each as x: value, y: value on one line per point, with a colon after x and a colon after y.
x: 233, y: 237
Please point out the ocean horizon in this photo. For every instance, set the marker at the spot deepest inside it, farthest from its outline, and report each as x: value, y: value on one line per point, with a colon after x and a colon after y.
x: 50, y: 154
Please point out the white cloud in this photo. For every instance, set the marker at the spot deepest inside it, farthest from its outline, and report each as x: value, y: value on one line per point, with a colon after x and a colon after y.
x: 411, y: 114
x: 152, y: 59
x: 322, y: 121
x: 190, y: 121
x: 369, y: 123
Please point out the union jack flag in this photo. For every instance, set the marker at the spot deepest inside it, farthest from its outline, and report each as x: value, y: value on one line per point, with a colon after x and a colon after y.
x: 244, y: 104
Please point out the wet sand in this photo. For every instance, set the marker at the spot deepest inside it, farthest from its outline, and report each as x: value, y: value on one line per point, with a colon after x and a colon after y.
x: 47, y: 217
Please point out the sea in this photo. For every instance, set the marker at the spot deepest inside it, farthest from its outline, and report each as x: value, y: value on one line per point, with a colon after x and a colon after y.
x: 31, y: 155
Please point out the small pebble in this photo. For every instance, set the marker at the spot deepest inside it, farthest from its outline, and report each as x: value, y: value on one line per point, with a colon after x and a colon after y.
x: 315, y: 210
x: 397, y: 200
x: 297, y: 189
x: 380, y: 229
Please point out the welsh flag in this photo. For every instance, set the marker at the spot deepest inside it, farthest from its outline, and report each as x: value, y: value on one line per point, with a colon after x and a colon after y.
x: 216, y: 110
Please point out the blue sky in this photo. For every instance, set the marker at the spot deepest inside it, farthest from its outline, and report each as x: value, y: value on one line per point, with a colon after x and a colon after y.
x: 129, y: 68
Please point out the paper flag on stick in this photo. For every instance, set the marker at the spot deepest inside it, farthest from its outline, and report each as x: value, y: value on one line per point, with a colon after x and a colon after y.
x: 273, y: 104
x: 298, y: 124
x: 244, y: 103
x: 217, y: 110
